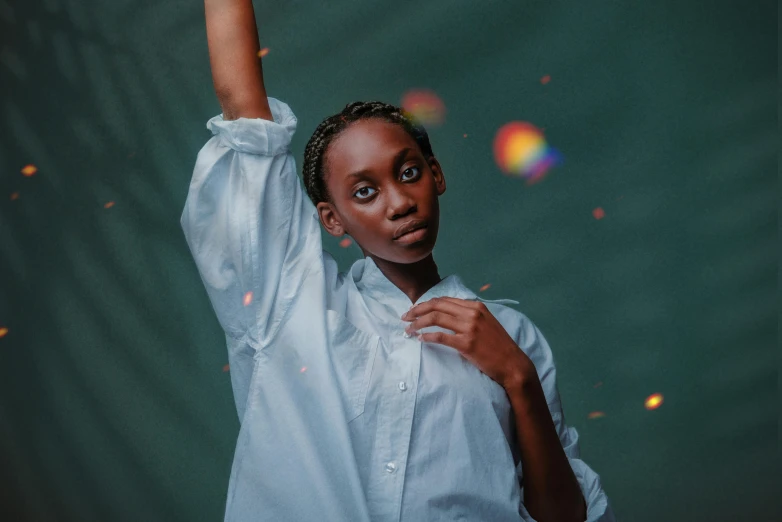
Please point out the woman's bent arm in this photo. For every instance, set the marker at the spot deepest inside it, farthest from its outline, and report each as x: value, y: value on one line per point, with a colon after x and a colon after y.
x: 252, y: 231
x: 237, y: 72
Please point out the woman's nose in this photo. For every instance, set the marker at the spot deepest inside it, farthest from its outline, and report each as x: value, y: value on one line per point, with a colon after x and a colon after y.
x: 400, y: 203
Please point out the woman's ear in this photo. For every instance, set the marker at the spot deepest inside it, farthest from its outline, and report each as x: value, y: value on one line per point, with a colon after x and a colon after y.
x: 439, y: 177
x: 329, y: 219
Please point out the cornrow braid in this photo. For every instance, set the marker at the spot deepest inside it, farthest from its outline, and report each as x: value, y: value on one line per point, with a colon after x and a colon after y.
x: 331, y: 127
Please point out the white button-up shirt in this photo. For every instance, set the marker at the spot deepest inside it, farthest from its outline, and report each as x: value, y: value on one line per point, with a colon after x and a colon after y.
x: 343, y: 417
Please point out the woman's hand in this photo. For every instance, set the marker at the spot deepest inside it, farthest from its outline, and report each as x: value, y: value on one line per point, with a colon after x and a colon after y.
x: 478, y: 336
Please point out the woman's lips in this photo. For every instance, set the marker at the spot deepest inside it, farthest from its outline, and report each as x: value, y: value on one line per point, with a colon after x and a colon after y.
x: 412, y: 237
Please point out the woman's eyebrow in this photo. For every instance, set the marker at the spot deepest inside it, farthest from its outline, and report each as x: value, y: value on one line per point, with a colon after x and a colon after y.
x: 398, y: 159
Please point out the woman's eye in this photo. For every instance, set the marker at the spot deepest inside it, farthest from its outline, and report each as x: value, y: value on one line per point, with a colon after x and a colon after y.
x: 362, y: 194
x: 366, y: 195
x: 411, y: 168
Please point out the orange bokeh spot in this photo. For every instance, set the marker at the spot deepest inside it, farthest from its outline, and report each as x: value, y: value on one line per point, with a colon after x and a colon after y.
x: 303, y: 369
x: 263, y: 52
x: 653, y: 401
x: 465, y: 135
x: 3, y: 332
x: 109, y: 204
x: 248, y: 298
x: 599, y: 213
x: 14, y: 196
x: 423, y: 106
x: 29, y: 170
x: 545, y: 79
x: 596, y: 415
x: 345, y: 242
x: 485, y: 287
x: 226, y: 367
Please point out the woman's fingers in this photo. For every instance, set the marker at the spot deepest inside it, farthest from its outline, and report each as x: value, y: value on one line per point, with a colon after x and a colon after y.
x: 445, y: 312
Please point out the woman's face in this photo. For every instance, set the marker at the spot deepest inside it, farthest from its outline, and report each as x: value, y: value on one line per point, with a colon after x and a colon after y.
x: 379, y: 181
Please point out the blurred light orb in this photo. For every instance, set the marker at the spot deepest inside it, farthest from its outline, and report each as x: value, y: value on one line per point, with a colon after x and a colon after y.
x: 520, y: 150
x: 248, y: 298
x: 424, y: 107
x: 653, y: 401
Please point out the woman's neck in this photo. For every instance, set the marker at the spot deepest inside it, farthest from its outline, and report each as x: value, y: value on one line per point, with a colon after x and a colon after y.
x: 414, y: 279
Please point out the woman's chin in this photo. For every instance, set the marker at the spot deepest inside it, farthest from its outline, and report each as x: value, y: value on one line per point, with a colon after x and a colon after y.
x: 415, y: 252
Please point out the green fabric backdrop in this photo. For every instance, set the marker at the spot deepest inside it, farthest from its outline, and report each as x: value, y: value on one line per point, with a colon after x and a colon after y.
x: 114, y: 403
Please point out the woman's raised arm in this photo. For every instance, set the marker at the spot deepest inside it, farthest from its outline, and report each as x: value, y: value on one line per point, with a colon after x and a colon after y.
x: 237, y: 72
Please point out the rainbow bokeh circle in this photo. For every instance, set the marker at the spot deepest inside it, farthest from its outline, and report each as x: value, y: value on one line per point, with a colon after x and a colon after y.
x: 520, y: 150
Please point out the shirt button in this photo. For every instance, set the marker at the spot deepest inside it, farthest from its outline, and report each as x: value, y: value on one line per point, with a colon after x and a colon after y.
x: 402, y: 385
x: 390, y: 467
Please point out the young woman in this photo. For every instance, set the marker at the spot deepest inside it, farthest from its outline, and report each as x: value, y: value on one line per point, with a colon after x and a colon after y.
x: 386, y: 392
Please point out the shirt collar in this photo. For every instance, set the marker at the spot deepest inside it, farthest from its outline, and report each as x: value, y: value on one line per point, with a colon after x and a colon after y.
x: 370, y: 280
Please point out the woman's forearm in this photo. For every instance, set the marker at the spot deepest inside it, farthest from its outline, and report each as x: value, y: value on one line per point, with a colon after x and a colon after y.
x: 237, y: 73
x: 551, y: 491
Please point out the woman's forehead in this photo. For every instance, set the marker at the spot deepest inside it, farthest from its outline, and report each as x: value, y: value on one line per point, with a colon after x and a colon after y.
x: 367, y: 144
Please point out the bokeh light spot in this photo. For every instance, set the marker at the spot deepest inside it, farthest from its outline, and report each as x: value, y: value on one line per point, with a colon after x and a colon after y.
x: 520, y: 150
x: 653, y: 401
x: 424, y: 107
x: 248, y: 298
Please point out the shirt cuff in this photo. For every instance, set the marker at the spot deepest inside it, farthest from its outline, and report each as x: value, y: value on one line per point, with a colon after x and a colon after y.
x: 257, y: 135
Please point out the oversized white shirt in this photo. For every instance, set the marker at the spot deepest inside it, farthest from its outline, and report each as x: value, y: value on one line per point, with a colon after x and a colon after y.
x: 343, y: 418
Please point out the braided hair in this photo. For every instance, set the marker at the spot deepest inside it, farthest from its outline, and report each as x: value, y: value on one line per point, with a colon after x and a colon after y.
x: 331, y: 127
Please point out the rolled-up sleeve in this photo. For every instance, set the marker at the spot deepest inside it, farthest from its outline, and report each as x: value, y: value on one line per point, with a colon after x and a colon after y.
x: 535, y: 346
x: 252, y: 231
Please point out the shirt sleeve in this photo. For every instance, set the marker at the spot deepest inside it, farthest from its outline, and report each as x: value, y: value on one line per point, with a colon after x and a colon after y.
x: 252, y: 231
x: 535, y: 346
